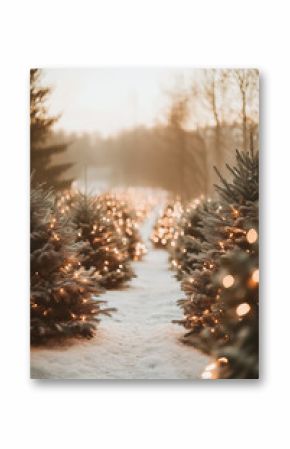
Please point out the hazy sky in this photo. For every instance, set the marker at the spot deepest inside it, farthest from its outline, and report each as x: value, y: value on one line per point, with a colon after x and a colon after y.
x: 110, y: 99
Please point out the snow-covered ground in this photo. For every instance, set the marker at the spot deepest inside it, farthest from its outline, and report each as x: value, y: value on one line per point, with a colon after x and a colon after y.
x: 139, y: 341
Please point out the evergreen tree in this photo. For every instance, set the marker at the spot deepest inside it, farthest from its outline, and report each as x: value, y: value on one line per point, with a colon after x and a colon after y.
x: 40, y: 127
x: 105, y: 248
x: 228, y: 233
x: 237, y: 352
x: 188, y: 237
x: 63, y: 295
x: 164, y: 229
x: 126, y: 222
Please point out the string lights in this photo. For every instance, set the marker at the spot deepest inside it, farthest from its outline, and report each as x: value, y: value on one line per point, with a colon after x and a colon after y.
x: 164, y: 231
x: 63, y: 294
x: 216, y: 259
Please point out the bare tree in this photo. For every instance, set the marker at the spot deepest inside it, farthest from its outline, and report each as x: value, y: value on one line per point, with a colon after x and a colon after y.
x: 177, y: 117
x: 187, y: 147
x: 208, y: 92
x: 247, y: 83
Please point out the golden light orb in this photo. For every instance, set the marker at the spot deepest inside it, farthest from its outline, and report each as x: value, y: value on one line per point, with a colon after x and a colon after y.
x: 223, y: 360
x: 252, y: 236
x: 210, y: 371
x: 228, y: 281
x: 255, y: 276
x: 243, y: 309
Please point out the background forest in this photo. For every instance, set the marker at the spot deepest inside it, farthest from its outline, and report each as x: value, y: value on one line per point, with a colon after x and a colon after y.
x: 204, y: 122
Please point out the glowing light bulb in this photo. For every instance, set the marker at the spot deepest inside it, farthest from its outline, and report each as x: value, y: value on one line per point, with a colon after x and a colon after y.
x: 252, y: 236
x: 243, y: 309
x: 223, y: 360
x: 206, y: 375
x: 228, y: 281
x: 210, y: 371
x: 255, y: 276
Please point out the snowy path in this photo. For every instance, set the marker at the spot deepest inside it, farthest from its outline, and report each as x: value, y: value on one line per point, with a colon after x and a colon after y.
x: 139, y: 341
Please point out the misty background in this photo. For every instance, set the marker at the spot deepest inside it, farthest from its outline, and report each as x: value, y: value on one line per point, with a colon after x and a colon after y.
x: 163, y: 128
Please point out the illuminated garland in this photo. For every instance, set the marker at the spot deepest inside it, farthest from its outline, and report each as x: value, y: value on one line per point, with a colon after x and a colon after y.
x: 164, y: 231
x: 125, y: 221
x: 63, y: 295
x: 104, y: 246
x: 228, y: 232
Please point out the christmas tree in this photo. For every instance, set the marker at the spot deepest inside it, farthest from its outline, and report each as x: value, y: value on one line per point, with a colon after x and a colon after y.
x: 63, y: 295
x: 237, y: 352
x: 104, y: 246
x: 165, y: 227
x: 40, y: 127
x: 228, y: 232
x: 188, y: 236
x: 126, y: 222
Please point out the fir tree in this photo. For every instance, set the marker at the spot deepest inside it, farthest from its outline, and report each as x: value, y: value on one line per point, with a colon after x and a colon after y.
x: 105, y: 248
x: 229, y: 229
x: 40, y: 128
x: 63, y: 295
x: 188, y: 237
x: 237, y: 351
x: 125, y: 220
x: 164, y: 229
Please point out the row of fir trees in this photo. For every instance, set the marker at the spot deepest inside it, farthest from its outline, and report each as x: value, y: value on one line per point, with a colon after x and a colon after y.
x: 214, y: 250
x: 80, y: 246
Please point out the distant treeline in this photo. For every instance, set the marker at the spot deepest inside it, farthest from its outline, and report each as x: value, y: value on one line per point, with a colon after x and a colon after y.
x: 204, y: 124
x: 167, y: 157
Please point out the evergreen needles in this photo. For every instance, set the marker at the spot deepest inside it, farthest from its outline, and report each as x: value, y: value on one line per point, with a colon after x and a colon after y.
x: 215, y: 255
x: 105, y: 247
x: 63, y: 294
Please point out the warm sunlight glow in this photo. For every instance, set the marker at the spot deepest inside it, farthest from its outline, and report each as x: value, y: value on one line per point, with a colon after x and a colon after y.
x: 107, y: 100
